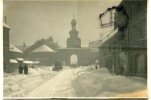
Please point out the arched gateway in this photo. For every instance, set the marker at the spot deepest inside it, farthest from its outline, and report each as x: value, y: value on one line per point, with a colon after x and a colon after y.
x: 73, y: 60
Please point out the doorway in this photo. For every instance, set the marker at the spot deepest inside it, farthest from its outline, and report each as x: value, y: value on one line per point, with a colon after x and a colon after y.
x: 74, y: 60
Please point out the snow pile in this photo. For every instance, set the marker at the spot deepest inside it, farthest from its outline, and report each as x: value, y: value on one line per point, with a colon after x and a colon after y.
x: 12, y: 84
x: 84, y: 69
x: 16, y: 85
x: 33, y: 71
x: 40, y: 70
x: 102, y: 83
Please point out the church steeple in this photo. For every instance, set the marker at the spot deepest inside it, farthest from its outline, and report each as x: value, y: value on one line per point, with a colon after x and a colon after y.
x: 74, y: 41
x: 73, y: 22
x: 73, y: 32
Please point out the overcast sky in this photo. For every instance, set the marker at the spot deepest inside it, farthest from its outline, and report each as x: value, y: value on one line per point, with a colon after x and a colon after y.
x: 33, y: 20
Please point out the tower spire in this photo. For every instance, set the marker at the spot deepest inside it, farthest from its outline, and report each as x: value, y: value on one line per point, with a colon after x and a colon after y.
x: 73, y: 41
x: 73, y: 22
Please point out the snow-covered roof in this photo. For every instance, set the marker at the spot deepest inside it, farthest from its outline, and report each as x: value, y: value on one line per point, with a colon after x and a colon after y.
x: 20, y: 59
x: 12, y: 48
x: 13, y: 61
x: 5, y: 25
x: 28, y: 62
x: 36, y: 62
x: 43, y: 48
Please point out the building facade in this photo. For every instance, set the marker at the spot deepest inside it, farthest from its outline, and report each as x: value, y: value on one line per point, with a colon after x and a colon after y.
x: 43, y: 50
x: 14, y: 54
x: 124, y: 51
x: 85, y: 56
x: 6, y: 30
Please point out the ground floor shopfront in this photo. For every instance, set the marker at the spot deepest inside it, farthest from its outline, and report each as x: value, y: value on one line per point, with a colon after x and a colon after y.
x: 125, y: 61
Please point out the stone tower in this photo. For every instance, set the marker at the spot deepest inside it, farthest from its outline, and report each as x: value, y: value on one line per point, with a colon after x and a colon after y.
x: 73, y: 41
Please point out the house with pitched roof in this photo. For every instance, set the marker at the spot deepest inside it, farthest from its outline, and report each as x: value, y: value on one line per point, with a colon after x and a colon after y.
x: 44, y: 54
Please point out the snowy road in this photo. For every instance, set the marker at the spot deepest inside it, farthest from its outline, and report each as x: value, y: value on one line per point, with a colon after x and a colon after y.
x: 83, y: 81
x: 59, y: 86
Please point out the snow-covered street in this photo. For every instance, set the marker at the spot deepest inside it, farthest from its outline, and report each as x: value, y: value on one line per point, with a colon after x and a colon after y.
x: 75, y: 82
x: 59, y: 86
x: 19, y: 85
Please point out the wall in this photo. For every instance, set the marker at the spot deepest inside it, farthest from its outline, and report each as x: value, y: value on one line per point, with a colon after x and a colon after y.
x: 6, y: 48
x: 128, y: 47
x: 85, y: 56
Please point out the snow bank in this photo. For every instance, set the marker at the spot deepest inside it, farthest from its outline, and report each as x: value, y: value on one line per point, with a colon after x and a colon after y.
x: 102, y: 83
x: 84, y: 69
x: 33, y: 71
x: 16, y: 85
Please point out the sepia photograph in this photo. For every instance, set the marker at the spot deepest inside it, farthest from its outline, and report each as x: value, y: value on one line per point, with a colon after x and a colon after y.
x: 75, y: 49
